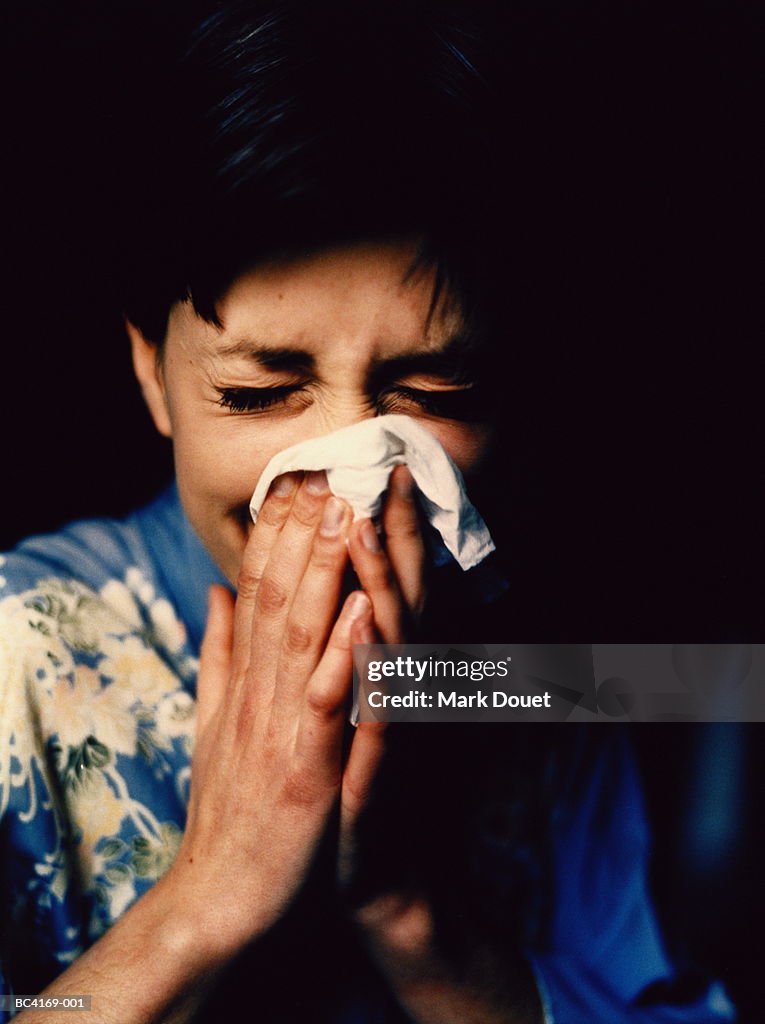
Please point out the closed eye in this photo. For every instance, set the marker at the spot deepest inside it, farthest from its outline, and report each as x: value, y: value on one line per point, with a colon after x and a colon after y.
x: 455, y: 403
x: 259, y: 399
x: 465, y: 403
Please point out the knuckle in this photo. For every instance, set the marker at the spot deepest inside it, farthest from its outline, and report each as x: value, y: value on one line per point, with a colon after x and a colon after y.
x: 323, y: 705
x: 327, y: 553
x: 297, y: 638
x: 274, y: 511
x: 305, y: 511
x: 271, y: 596
x: 379, y: 577
x: 403, y: 528
x: 354, y: 794
x: 248, y: 582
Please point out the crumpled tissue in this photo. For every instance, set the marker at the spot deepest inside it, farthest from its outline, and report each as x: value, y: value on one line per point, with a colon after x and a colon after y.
x: 359, y: 460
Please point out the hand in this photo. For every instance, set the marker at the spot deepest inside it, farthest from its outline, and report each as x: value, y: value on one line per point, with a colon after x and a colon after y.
x: 492, y: 988
x: 273, y: 692
x: 397, y: 928
x: 393, y: 578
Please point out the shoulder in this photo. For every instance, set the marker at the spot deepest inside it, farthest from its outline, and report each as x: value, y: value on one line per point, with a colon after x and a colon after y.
x: 147, y: 573
x: 86, y: 658
x: 92, y: 596
x: 91, y: 647
x: 90, y: 552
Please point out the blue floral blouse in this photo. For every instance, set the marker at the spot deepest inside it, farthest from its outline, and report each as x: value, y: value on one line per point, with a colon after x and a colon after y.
x: 100, y: 627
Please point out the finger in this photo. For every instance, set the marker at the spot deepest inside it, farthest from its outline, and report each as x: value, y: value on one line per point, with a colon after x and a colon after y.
x: 273, y: 514
x: 401, y: 929
x: 287, y: 563
x: 325, y: 703
x: 364, y: 654
x: 366, y: 754
x: 376, y: 576
x: 215, y: 656
x: 313, y: 611
x: 404, y: 919
x: 404, y: 541
x: 361, y: 768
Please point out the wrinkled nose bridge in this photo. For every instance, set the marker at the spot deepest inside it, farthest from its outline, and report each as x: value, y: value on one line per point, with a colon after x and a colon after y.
x: 333, y: 419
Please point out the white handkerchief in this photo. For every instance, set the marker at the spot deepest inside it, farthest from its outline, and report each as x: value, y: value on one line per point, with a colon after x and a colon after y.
x: 358, y: 461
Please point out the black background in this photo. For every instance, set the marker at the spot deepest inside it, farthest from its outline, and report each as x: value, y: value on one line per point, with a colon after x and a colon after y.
x: 631, y: 467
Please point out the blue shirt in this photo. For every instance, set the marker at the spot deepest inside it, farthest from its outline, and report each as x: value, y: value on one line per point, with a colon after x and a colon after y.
x: 100, y: 628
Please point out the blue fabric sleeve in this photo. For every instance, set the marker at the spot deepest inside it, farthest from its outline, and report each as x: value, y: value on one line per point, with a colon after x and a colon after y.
x: 605, y: 962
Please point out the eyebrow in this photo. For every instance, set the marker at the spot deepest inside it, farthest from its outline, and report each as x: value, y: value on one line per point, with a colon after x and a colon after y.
x: 445, y: 362
x: 273, y: 357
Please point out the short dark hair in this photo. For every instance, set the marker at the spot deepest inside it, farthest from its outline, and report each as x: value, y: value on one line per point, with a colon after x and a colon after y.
x: 290, y: 125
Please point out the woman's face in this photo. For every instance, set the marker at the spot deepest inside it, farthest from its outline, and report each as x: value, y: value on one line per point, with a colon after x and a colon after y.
x: 307, y: 346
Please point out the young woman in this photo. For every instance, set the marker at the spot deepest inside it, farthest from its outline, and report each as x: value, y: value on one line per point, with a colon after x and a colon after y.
x: 318, y: 228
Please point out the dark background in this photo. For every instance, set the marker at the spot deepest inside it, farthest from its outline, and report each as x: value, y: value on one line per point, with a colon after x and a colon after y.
x: 631, y: 464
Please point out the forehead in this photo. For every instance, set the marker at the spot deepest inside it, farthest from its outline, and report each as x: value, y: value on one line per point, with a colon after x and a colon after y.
x: 365, y: 296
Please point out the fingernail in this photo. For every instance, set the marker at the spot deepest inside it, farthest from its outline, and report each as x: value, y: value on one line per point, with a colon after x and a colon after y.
x: 402, y: 483
x: 358, y: 605
x: 332, y: 518
x: 316, y: 482
x: 284, y: 485
x: 369, y: 537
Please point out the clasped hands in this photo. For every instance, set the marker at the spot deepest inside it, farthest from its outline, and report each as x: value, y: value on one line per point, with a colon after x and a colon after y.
x: 269, y: 770
x: 273, y: 697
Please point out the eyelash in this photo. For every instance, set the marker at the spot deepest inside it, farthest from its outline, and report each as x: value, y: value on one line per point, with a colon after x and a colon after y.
x: 255, y: 399
x: 463, y: 403
x: 458, y: 404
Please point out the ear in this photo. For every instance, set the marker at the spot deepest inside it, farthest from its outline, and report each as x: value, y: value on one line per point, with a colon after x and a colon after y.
x: 148, y: 370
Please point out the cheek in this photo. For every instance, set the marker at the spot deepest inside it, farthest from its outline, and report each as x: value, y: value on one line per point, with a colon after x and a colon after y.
x: 223, y: 463
x: 468, y: 445
x: 218, y: 467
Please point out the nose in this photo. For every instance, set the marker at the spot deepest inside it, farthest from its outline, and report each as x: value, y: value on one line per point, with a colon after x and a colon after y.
x: 335, y: 415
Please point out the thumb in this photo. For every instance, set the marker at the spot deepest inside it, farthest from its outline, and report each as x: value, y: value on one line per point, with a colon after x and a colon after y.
x: 215, y: 655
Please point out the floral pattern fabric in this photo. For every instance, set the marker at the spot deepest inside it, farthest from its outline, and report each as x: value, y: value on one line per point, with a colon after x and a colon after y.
x: 97, y: 714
